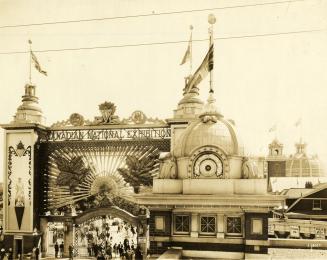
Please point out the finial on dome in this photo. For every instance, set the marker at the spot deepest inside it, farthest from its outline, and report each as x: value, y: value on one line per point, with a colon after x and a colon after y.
x: 210, y: 111
x: 301, y: 147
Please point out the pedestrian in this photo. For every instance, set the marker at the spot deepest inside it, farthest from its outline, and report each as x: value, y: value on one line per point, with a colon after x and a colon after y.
x: 37, y: 252
x: 2, y: 253
x: 33, y: 253
x: 61, y: 249
x: 138, y: 253
x: 10, y: 254
x: 71, y: 251
x: 56, y: 247
x: 89, y: 249
x: 100, y: 257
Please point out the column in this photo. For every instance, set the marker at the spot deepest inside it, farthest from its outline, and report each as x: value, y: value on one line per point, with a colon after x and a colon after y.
x: 195, y: 225
x: 220, y: 226
x: 69, y: 236
x: 44, y: 232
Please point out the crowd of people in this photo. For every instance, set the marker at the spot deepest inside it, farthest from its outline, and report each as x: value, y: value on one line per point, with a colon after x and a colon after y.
x: 112, y: 238
x: 101, y: 238
x: 111, y: 251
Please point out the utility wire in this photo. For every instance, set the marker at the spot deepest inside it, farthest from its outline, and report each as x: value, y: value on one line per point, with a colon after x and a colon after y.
x: 163, y: 43
x: 150, y: 14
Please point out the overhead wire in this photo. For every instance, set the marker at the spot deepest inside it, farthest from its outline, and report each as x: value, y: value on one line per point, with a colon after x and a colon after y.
x: 163, y: 43
x: 150, y: 14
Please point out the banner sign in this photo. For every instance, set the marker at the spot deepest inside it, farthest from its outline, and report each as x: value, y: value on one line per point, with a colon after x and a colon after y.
x: 19, y: 177
x: 107, y: 134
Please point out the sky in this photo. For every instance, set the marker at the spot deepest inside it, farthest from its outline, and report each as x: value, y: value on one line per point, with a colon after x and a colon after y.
x: 259, y: 81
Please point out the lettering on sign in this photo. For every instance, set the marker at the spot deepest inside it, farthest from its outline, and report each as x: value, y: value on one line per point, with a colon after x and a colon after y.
x: 108, y: 134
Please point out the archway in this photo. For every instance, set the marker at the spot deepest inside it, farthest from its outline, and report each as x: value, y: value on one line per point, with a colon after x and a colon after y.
x: 110, y: 230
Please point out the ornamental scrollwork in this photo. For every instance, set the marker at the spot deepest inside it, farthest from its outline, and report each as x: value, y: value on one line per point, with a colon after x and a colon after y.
x: 139, y: 118
x: 107, y: 110
x: 72, y: 172
x: 20, y: 151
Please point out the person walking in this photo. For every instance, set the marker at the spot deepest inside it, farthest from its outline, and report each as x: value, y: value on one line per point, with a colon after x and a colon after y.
x: 56, y: 247
x: 71, y: 252
x: 61, y: 249
x: 138, y: 253
x: 10, y: 254
x: 37, y: 252
x: 2, y: 253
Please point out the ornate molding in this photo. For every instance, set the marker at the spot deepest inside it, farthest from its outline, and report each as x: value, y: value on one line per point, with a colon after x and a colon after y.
x: 139, y: 118
x: 74, y: 119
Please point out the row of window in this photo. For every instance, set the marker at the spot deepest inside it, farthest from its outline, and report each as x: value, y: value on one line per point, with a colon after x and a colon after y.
x: 208, y: 224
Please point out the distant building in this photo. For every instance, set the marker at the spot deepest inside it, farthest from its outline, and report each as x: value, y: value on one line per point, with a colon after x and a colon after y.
x: 295, y: 170
x: 305, y: 214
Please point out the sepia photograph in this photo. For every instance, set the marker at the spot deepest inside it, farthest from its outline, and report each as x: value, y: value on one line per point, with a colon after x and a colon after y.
x: 152, y: 129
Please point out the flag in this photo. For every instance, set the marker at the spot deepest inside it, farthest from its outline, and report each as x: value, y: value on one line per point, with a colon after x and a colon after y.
x: 37, y: 64
x: 273, y: 128
x: 188, y: 54
x: 205, y: 67
x: 298, y: 122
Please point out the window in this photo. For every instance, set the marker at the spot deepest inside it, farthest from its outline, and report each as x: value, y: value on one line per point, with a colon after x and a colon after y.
x: 182, y: 223
x: 159, y: 223
x: 234, y: 225
x: 256, y: 226
x: 316, y: 205
x: 208, y: 224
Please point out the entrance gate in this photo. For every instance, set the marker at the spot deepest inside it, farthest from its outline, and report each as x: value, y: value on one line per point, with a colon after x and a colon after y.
x: 139, y: 222
x: 88, y: 170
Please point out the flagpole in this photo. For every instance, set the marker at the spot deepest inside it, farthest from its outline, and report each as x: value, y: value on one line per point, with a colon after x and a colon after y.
x: 30, y: 75
x: 191, y: 50
x: 212, y: 21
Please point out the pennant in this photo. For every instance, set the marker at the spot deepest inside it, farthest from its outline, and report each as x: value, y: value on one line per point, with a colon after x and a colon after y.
x: 188, y: 54
x: 205, y: 67
x: 37, y: 64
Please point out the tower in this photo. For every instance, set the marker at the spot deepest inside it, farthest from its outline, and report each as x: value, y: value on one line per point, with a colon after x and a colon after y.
x: 21, y: 179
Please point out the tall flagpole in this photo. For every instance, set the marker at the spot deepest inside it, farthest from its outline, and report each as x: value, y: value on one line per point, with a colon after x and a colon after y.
x: 191, y: 50
x: 30, y: 75
x: 211, y: 21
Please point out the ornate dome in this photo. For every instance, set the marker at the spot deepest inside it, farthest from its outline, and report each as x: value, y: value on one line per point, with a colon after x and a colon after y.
x: 210, y: 130
x: 302, y: 165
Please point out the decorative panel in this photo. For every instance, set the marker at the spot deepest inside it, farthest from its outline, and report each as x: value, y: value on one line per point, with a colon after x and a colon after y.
x: 18, y: 186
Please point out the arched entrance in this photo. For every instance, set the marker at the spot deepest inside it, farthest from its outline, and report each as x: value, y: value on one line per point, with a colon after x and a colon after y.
x: 110, y: 229
x: 71, y: 229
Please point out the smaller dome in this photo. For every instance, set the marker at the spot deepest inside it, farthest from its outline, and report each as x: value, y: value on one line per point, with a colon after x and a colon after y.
x: 302, y: 165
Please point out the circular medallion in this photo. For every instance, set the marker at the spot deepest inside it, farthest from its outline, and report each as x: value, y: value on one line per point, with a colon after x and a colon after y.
x: 138, y: 117
x: 208, y: 165
x: 76, y: 119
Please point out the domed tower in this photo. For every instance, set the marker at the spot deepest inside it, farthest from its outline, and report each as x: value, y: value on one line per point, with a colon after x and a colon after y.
x: 29, y: 111
x: 206, y: 187
x: 208, y: 158
x: 302, y: 165
x: 276, y: 159
x: 209, y: 147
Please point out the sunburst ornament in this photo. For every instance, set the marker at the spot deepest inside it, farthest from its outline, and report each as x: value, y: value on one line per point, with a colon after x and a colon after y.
x: 76, y: 174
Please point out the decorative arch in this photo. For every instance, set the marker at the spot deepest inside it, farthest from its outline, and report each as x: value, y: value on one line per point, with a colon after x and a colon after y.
x: 112, y: 211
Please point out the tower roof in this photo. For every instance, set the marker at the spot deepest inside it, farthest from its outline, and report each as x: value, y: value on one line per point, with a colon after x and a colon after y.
x: 29, y: 111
